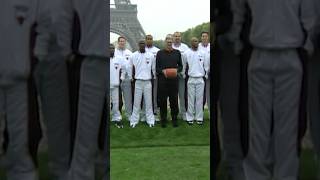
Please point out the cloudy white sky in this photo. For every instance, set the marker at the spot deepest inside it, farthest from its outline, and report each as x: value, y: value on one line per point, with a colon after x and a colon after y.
x: 160, y: 17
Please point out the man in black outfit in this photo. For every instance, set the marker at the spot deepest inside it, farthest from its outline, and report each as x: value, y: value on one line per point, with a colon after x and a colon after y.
x: 168, y: 87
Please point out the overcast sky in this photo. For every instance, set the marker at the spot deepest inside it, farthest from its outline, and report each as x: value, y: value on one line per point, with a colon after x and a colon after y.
x: 161, y: 17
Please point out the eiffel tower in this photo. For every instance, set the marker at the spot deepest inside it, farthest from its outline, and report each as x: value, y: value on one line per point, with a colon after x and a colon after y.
x: 124, y: 21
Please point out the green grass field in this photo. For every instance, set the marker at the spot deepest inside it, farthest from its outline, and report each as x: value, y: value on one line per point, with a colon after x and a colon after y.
x: 157, y: 153
x: 144, y: 153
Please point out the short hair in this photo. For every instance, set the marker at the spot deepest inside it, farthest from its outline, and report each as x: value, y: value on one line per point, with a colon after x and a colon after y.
x: 149, y: 35
x: 205, y: 32
x: 168, y: 36
x: 141, y: 41
x: 121, y: 37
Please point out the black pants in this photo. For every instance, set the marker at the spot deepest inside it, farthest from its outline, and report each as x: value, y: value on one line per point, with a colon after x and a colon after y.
x: 168, y: 88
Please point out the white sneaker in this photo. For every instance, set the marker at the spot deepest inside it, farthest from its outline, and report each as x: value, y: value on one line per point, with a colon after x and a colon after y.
x: 133, y: 125
x: 151, y: 125
x: 184, y: 117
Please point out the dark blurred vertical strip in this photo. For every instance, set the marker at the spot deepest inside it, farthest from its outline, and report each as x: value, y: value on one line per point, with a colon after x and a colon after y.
x: 214, y: 90
x: 74, y: 76
x: 302, y: 124
x: 35, y: 133
x: 104, y: 136
x: 243, y: 94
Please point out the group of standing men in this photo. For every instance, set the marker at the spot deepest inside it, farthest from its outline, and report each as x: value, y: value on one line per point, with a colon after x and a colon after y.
x: 266, y: 51
x: 143, y: 75
x: 36, y: 46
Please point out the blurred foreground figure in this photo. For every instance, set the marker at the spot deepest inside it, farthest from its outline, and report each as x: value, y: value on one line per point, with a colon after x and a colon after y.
x: 314, y: 90
x: 275, y: 77
x: 16, y: 21
x: 93, y: 80
x: 226, y: 78
x: 52, y: 86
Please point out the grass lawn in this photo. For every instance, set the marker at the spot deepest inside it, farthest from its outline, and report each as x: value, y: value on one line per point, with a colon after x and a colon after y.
x: 144, y: 153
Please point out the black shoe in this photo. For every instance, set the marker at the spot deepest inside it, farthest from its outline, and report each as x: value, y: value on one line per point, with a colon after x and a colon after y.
x: 174, y: 124
x: 119, y: 124
x: 163, y: 123
x: 190, y: 123
x: 200, y: 122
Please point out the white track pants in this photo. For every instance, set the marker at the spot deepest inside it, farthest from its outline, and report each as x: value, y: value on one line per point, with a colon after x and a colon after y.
x: 142, y: 88
x: 195, y: 99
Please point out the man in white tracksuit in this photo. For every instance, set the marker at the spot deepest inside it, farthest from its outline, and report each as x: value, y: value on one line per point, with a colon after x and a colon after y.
x: 198, y: 68
x: 126, y: 86
x: 204, y: 45
x: 144, y: 66
x: 117, y: 72
x: 152, y: 49
x: 178, y: 45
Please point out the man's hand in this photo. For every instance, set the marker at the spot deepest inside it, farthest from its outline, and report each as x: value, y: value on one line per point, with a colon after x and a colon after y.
x: 164, y: 73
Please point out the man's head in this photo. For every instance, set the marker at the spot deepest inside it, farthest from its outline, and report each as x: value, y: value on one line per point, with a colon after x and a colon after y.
x: 121, y: 42
x: 177, y: 38
x: 194, y: 43
x: 142, y: 46
x: 205, y: 37
x: 149, y: 40
x: 111, y: 49
x: 168, y: 42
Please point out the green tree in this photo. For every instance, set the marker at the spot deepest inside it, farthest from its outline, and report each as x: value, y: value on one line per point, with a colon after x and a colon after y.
x: 195, y: 32
x: 159, y: 43
x: 188, y: 34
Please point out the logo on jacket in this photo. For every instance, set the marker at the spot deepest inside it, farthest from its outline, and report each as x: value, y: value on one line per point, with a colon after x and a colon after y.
x: 116, y: 65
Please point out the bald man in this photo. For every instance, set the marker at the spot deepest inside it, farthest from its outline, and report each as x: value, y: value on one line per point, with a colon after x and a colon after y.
x: 144, y: 65
x: 198, y: 70
x: 154, y: 50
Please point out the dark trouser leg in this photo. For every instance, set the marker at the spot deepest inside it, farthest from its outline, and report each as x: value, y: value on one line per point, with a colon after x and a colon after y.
x: 19, y: 163
x: 173, y: 99
x: 53, y: 87
x: 314, y: 100
x: 287, y: 90
x: 163, y: 95
x: 229, y: 105
x: 260, y: 112
x: 92, y: 93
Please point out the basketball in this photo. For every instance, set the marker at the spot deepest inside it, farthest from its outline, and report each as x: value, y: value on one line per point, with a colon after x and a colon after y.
x: 171, y: 73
